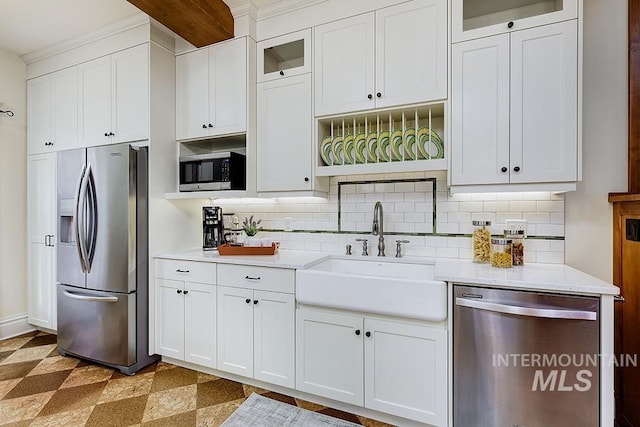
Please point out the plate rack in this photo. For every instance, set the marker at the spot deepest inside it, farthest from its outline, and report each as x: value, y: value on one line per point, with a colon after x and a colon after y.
x: 400, y: 140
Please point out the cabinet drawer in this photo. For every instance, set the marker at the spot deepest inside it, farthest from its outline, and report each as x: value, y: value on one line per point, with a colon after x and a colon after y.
x: 262, y: 278
x: 187, y: 271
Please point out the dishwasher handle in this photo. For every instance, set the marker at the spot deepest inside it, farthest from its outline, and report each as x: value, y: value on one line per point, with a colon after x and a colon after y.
x: 550, y: 313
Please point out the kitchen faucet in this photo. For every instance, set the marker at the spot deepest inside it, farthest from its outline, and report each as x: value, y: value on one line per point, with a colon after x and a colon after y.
x: 378, y: 226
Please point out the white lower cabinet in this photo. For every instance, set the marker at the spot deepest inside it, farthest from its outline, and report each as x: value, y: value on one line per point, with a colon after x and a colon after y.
x: 393, y: 367
x: 256, y: 309
x: 186, y: 325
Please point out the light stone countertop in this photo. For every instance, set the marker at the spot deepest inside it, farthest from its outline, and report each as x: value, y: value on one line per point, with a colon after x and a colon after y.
x: 558, y: 278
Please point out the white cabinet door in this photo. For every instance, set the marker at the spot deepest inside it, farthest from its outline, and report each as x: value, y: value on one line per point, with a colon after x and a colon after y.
x: 192, y: 94
x: 274, y: 339
x: 235, y: 330
x: 64, y: 116
x: 544, y: 103
x: 329, y: 355
x: 480, y: 111
x: 130, y: 94
x: 344, y: 65
x: 170, y: 327
x: 285, y: 138
x: 406, y: 370
x: 200, y: 324
x: 41, y: 220
x: 39, y: 115
x: 95, y: 102
x: 411, y: 53
x: 228, y: 87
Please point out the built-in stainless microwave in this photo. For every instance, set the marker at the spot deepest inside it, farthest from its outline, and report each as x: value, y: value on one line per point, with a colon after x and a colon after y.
x: 223, y: 170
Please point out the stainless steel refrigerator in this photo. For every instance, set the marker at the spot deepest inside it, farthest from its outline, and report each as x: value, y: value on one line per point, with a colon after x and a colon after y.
x: 102, y: 282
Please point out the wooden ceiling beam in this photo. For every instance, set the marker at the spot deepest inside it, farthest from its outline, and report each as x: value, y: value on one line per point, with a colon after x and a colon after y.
x: 200, y: 22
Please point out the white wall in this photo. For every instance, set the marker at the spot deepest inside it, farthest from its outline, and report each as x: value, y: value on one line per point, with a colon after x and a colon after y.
x: 13, y: 189
x: 588, y: 214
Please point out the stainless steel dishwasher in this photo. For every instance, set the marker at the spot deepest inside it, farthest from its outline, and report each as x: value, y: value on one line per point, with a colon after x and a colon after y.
x: 525, y: 359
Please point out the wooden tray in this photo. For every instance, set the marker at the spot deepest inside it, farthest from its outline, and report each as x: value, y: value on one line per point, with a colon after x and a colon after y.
x: 227, y: 249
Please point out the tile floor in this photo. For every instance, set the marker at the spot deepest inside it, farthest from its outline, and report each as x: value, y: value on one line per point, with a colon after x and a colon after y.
x: 38, y: 387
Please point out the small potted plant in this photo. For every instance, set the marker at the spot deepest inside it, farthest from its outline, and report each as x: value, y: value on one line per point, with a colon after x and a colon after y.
x: 251, y: 228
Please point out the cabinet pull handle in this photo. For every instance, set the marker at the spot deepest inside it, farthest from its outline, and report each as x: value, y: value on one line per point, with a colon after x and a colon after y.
x: 368, y: 334
x: 255, y: 302
x: 370, y: 96
x: 510, y: 24
x: 182, y: 271
x: 504, y: 169
x: 179, y: 291
x: 357, y: 331
x: 248, y: 300
x: 516, y: 169
x: 252, y: 278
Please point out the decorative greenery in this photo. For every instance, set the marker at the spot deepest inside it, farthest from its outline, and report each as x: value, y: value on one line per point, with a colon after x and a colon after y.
x: 250, y: 226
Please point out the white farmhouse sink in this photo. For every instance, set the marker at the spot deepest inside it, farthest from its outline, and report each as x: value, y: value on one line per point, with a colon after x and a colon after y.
x: 374, y: 286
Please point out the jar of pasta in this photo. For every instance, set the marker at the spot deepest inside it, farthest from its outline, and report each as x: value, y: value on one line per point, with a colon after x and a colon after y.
x: 501, y: 253
x: 481, y: 242
x: 517, y: 249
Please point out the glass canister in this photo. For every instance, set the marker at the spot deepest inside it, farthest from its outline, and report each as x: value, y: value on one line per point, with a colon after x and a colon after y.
x: 517, y: 248
x: 501, y: 253
x: 481, y: 242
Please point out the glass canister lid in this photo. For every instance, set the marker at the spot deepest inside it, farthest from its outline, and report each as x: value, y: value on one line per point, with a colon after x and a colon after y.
x: 481, y: 223
x: 499, y: 241
x: 518, y: 233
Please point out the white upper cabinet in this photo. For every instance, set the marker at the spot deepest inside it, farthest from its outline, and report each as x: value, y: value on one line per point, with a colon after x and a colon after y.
x: 472, y: 19
x: 411, y: 53
x: 393, y: 56
x: 284, y: 56
x: 515, y: 107
x: 344, y: 65
x: 211, y: 91
x: 114, y: 98
x: 285, y: 133
x: 53, y: 112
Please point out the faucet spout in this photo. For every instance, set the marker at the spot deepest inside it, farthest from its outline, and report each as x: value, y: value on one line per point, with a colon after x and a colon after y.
x: 378, y: 226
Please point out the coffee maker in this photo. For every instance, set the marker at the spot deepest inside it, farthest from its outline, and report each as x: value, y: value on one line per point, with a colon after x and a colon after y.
x: 212, y: 228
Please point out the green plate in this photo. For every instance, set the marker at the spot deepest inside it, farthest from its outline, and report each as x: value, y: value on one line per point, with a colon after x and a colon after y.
x: 325, y: 150
x: 410, y: 144
x: 383, y: 146
x: 372, y: 147
x: 430, y: 145
x: 337, y: 150
x: 396, y: 145
x: 360, y: 147
x: 348, y: 145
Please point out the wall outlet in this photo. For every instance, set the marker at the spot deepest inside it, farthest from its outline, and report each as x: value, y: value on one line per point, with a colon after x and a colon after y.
x: 288, y: 224
x: 516, y: 224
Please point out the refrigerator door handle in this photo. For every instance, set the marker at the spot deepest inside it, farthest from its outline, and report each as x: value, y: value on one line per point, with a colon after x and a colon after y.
x: 89, y: 298
x: 82, y: 202
x: 547, y: 312
x: 79, y: 222
x: 92, y: 205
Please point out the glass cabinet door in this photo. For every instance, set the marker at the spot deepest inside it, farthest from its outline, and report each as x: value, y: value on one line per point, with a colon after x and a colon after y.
x: 284, y: 56
x: 479, y: 18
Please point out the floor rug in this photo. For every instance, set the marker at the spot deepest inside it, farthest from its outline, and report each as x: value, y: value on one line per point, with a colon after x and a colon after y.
x: 264, y: 412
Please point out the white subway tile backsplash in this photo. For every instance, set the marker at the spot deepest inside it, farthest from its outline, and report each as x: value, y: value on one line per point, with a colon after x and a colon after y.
x: 408, y: 208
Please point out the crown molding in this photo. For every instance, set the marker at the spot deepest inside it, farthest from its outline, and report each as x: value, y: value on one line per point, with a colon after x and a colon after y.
x: 133, y: 21
x: 284, y: 6
x: 243, y: 7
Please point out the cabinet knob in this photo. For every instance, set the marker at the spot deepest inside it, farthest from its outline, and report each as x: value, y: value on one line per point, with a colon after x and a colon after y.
x: 179, y: 291
x: 510, y: 24
x: 379, y: 95
x: 516, y: 169
x: 248, y: 300
x: 204, y: 126
x: 504, y: 169
x: 112, y: 134
x: 281, y: 73
x: 370, y: 96
x: 306, y: 179
x: 106, y: 134
x: 210, y: 125
x: 255, y: 302
x: 186, y: 292
x: 357, y: 331
x: 368, y: 334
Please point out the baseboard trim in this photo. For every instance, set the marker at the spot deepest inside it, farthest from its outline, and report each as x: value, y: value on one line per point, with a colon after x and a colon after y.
x: 14, y: 325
